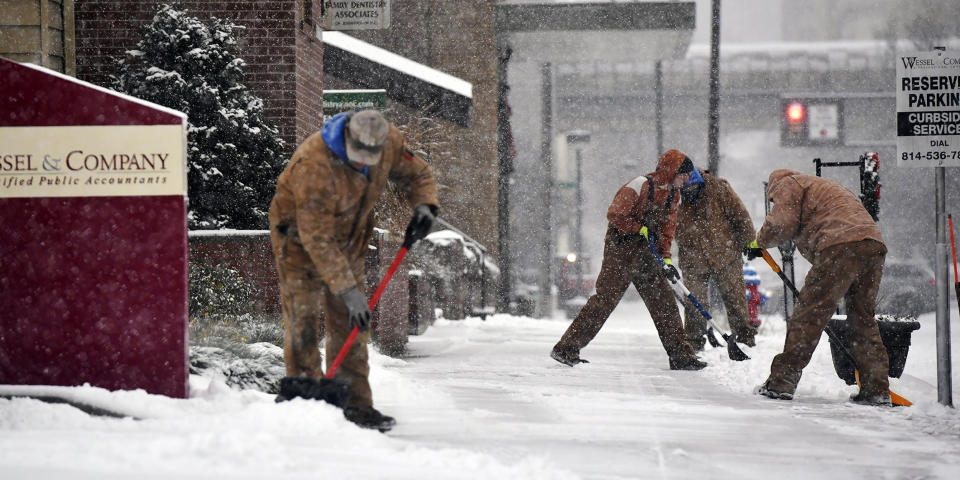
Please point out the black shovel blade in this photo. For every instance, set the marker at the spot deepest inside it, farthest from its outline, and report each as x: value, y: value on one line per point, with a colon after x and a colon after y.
x: 333, y: 391
x: 712, y: 338
x: 733, y: 350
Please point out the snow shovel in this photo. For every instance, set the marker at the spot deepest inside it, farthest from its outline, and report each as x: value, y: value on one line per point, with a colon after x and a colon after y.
x: 407, y: 243
x: 894, y: 398
x: 681, y: 292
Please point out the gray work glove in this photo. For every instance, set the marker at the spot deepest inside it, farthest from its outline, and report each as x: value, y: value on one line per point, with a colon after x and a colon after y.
x: 358, y: 313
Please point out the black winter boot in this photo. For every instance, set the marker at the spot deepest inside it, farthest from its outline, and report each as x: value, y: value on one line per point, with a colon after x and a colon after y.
x: 766, y: 392
x: 687, y: 363
x: 567, y: 357
x: 878, y: 400
x: 369, y: 417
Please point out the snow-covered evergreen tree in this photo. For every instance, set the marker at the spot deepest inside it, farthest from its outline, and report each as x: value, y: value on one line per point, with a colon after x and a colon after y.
x: 234, y: 156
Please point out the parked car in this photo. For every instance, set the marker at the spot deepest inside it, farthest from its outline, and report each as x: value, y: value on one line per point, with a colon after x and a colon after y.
x: 907, y: 288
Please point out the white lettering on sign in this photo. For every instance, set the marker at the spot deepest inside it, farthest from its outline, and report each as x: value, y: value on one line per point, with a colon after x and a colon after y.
x: 928, y: 109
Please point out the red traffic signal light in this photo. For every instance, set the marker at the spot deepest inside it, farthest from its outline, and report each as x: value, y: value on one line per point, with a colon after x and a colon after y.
x: 795, y: 112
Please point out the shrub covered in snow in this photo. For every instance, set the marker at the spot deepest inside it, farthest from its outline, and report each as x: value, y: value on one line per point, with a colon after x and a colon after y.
x: 258, y: 366
x: 221, y: 306
x: 234, y: 156
x: 227, y: 341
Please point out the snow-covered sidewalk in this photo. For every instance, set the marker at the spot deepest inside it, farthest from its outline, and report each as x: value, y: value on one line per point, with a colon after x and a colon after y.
x: 482, y: 399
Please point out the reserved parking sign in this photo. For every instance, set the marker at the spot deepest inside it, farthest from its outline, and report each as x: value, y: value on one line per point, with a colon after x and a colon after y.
x: 928, y: 109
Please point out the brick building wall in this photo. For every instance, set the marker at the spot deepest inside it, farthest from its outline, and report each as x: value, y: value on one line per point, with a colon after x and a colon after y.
x: 283, y: 56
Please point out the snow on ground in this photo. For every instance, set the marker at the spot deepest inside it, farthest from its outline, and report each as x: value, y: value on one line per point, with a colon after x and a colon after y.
x: 482, y: 399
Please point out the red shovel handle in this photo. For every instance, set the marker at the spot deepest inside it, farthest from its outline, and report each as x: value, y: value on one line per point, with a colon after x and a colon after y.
x: 373, y: 304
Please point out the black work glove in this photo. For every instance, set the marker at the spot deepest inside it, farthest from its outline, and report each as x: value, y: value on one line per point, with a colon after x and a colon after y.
x: 420, y: 224
x: 358, y: 313
x: 670, y: 271
x: 753, y: 250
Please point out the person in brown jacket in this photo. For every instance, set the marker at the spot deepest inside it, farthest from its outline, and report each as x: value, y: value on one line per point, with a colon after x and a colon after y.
x: 321, y: 221
x: 646, y: 203
x: 713, y: 229
x: 835, y: 233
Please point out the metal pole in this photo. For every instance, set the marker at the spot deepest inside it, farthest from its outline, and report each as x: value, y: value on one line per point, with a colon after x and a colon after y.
x: 713, y: 135
x: 505, y: 167
x: 546, y: 112
x: 944, y: 375
x: 786, y: 258
x: 578, y: 238
x: 658, y: 106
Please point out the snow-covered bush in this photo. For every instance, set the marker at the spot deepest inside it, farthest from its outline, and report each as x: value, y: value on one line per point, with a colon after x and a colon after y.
x: 258, y: 366
x: 222, y: 309
x: 234, y: 156
x: 218, y: 290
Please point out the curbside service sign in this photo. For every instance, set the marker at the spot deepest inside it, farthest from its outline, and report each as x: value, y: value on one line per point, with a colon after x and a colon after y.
x: 93, y: 236
x: 928, y: 109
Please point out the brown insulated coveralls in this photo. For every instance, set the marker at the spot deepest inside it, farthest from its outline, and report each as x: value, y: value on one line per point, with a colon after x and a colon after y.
x: 842, y: 242
x: 711, y: 234
x: 627, y: 259
x: 321, y: 221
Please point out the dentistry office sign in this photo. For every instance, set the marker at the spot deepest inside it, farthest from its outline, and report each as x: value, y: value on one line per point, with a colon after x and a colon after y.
x: 928, y: 109
x: 92, y: 161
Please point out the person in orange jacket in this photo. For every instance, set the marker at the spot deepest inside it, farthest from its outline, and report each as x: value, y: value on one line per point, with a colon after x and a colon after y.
x: 644, y: 204
x: 843, y: 243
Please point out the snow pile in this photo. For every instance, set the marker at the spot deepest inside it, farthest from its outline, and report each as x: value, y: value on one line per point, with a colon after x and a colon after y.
x: 482, y: 399
x: 220, y: 432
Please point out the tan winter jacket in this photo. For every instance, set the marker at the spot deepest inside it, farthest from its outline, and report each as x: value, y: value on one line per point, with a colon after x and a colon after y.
x: 631, y: 210
x: 814, y: 212
x: 712, y: 233
x: 328, y: 206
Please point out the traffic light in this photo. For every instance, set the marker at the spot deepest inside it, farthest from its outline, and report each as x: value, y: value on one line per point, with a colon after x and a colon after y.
x: 795, y: 113
x: 811, y: 121
x: 794, y: 129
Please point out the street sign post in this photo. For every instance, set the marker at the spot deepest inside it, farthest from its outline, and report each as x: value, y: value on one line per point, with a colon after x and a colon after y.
x: 928, y: 135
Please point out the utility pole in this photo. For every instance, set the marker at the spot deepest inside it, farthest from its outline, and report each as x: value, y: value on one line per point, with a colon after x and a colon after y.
x: 505, y: 172
x: 578, y: 139
x: 658, y: 105
x: 713, y: 134
x: 545, y: 283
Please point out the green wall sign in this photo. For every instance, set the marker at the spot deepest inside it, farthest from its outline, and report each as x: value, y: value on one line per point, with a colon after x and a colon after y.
x: 337, y: 101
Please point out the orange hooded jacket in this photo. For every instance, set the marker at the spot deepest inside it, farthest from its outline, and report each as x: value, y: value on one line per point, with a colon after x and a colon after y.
x: 631, y: 210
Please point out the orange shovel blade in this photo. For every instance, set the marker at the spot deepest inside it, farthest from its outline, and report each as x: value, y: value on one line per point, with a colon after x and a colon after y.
x: 895, y: 399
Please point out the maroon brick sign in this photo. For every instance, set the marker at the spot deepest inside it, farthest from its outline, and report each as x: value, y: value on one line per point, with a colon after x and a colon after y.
x: 93, y: 237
